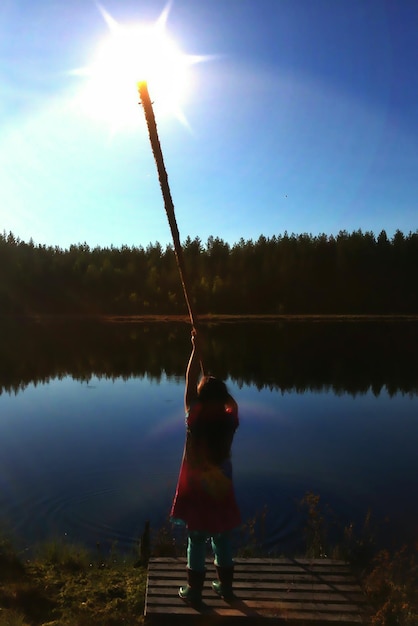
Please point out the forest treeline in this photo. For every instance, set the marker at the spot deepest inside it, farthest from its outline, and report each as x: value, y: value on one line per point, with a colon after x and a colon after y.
x: 351, y: 273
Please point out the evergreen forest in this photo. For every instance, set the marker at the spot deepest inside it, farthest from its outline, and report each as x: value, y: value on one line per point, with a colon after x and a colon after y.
x: 353, y: 273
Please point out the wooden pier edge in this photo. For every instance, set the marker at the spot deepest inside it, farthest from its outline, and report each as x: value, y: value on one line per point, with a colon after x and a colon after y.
x: 302, y: 592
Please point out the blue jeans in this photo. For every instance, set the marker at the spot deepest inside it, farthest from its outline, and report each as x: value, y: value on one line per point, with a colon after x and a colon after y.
x: 196, y: 549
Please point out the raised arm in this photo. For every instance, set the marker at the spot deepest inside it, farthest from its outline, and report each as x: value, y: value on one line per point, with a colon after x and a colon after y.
x: 192, y: 375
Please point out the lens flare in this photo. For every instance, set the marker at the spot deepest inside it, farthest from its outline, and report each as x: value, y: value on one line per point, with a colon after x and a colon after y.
x: 131, y: 54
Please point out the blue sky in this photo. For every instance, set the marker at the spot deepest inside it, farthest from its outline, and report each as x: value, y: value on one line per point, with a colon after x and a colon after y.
x: 303, y: 118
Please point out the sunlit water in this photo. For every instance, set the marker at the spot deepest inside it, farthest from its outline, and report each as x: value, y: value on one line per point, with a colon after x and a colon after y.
x: 93, y: 461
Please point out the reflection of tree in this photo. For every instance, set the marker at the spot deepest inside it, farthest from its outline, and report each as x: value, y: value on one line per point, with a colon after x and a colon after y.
x: 350, y: 273
x: 340, y: 356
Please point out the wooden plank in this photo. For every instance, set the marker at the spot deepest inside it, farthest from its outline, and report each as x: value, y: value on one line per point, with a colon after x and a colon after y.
x: 302, y: 591
x: 273, y: 603
x: 166, y: 594
x: 298, y: 579
x: 300, y: 594
x: 258, y: 561
x: 317, y: 617
x: 273, y: 577
x: 267, y: 567
x: 262, y: 584
x: 320, y: 564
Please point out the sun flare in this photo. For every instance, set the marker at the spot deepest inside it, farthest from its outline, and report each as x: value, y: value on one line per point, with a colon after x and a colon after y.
x: 130, y: 54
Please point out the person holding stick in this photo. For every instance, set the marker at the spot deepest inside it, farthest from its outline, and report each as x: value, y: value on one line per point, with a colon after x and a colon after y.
x: 205, y: 499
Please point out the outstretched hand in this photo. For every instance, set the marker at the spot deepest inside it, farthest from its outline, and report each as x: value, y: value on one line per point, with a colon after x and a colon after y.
x: 193, y: 372
x: 195, y: 339
x: 197, y: 347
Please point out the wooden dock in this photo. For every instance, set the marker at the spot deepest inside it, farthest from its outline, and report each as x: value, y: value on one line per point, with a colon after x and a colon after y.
x: 300, y: 592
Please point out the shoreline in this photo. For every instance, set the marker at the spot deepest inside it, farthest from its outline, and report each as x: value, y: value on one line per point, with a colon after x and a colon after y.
x: 208, y: 318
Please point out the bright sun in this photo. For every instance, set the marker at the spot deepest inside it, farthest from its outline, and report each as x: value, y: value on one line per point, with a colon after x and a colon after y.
x: 133, y: 53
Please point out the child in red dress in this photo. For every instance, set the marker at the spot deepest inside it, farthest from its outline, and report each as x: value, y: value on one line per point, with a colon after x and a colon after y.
x: 205, y: 499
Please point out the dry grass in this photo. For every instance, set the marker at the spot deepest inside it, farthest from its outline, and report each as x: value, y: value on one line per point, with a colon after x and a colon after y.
x: 65, y: 586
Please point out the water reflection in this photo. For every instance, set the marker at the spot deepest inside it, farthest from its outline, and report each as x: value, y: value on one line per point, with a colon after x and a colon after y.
x: 339, y: 356
x: 91, y: 431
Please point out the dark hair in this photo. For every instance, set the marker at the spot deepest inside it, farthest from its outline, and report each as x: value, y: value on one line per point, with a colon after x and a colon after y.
x: 211, y: 389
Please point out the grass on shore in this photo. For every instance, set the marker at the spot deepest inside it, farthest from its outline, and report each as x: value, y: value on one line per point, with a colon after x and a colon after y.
x: 64, y: 585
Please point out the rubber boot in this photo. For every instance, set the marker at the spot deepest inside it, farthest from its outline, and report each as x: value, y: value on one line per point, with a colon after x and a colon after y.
x: 192, y: 592
x: 223, y: 586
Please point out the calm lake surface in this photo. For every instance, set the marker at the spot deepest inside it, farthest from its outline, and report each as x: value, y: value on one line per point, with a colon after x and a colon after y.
x: 92, y: 425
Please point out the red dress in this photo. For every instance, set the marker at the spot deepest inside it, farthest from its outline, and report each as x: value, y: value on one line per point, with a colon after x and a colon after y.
x: 205, y: 498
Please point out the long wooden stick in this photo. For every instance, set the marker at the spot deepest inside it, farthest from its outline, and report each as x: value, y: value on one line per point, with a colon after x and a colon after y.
x: 165, y: 189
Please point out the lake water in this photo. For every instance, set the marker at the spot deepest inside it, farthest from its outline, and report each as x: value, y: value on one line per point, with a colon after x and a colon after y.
x: 92, y: 426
